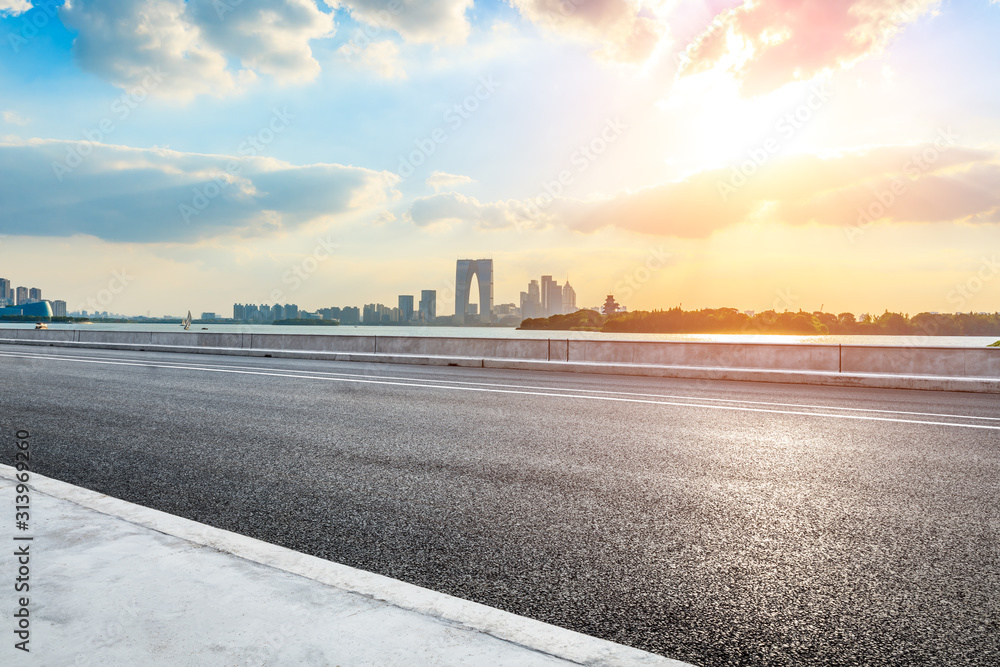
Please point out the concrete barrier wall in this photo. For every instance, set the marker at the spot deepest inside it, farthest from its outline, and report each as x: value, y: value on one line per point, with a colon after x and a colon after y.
x: 785, y: 357
x: 39, y: 334
x: 931, y: 361
x: 493, y: 348
x: 313, y: 343
x: 719, y: 355
x: 945, y: 361
x: 116, y: 337
x: 199, y: 339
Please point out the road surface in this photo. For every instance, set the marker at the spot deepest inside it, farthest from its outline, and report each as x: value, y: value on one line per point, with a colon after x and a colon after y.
x: 720, y: 523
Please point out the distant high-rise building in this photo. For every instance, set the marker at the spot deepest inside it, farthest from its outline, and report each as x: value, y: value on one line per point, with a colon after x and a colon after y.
x: 531, y: 304
x: 482, y: 270
x: 350, y: 315
x: 428, y: 305
x: 290, y: 311
x: 58, y: 308
x: 34, y: 295
x: 21, y: 296
x: 546, y: 306
x: 405, y: 307
x: 535, y: 291
x: 239, y: 312
x: 329, y: 313
x: 6, y: 294
x: 551, y: 297
x: 568, y: 299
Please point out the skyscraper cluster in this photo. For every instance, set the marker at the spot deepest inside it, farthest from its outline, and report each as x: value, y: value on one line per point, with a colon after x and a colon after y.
x: 24, y: 296
x: 18, y: 296
x: 345, y: 315
x: 543, y: 299
x: 547, y: 298
x: 264, y: 313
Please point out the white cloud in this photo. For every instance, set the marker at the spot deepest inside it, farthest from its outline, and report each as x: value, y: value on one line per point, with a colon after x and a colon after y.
x: 14, y: 118
x: 419, y: 21
x: 194, y: 42
x: 268, y: 36
x: 379, y: 57
x: 439, y: 180
x: 452, y: 209
x: 14, y: 7
x: 119, y: 193
x: 625, y: 29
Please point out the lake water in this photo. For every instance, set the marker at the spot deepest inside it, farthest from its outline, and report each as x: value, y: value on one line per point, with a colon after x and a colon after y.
x: 509, y: 332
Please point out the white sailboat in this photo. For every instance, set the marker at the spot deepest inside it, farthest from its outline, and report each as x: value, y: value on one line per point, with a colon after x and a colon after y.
x: 186, y: 322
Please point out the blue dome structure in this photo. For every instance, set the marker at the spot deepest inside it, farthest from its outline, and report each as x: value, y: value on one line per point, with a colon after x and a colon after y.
x: 37, y: 309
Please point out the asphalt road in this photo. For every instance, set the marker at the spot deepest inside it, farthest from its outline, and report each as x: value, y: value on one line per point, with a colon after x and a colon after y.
x: 721, y: 523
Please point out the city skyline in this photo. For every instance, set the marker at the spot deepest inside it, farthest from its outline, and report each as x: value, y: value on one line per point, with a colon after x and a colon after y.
x: 709, y: 153
x: 559, y: 300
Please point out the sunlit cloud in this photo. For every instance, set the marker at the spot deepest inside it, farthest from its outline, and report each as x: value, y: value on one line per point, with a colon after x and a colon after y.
x: 768, y: 43
x: 625, y: 30
x: 440, y: 180
x: 900, y: 184
x: 417, y: 21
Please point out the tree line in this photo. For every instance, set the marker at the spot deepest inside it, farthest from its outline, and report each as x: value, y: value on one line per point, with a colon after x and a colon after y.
x: 732, y: 321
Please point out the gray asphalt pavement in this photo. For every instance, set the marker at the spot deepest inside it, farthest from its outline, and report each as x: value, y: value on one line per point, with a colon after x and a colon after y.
x: 719, y: 523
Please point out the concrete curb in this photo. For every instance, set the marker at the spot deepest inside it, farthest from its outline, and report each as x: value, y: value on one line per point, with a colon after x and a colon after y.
x: 531, y: 634
x: 866, y: 380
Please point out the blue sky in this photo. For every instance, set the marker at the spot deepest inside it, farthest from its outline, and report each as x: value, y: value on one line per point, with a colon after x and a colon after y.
x: 161, y: 100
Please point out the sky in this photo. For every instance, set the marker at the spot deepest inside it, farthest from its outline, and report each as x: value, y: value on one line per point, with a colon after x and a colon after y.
x: 158, y: 156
